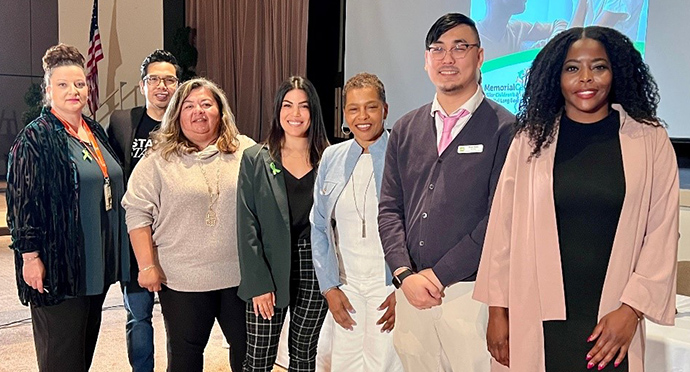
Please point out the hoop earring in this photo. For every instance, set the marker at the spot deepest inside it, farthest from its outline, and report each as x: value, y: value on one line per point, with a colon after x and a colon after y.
x: 346, y: 130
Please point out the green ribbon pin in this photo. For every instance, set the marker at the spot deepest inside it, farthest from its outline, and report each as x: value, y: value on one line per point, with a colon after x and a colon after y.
x: 86, y: 154
x: 274, y: 170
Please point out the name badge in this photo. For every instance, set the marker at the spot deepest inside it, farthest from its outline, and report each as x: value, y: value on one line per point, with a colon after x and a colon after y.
x: 470, y: 149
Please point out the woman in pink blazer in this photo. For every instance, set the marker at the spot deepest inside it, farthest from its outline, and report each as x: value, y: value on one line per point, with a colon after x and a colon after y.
x: 583, y: 232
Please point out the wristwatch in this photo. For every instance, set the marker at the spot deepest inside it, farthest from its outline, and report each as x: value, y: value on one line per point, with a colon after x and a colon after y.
x: 398, y: 279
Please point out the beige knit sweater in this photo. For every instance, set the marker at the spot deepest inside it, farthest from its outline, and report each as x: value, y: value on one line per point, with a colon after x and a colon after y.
x: 172, y: 197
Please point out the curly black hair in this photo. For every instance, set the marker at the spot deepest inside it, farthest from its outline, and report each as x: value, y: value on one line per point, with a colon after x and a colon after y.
x: 542, y: 104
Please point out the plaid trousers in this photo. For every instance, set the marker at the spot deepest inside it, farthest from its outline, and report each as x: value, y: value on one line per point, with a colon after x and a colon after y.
x: 307, y: 308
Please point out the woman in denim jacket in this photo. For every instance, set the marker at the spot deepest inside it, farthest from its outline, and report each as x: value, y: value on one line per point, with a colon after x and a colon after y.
x: 346, y: 249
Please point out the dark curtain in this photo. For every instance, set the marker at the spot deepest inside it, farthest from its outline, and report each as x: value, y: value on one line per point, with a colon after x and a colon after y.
x: 249, y: 47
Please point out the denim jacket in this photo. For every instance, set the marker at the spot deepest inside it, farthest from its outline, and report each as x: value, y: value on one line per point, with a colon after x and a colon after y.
x: 335, y: 169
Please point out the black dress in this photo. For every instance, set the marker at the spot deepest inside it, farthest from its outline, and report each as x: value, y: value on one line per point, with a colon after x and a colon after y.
x: 589, y: 187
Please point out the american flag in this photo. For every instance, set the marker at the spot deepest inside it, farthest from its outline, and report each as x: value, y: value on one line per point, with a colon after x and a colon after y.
x: 95, y: 55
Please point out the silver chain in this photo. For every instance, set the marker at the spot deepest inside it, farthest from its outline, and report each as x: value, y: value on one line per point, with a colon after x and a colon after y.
x: 362, y: 216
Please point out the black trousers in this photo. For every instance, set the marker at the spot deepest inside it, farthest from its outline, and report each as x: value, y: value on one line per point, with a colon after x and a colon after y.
x: 189, y: 318
x: 65, y: 334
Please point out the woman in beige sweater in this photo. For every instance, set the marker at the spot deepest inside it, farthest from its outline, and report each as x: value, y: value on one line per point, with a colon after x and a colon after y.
x: 181, y: 219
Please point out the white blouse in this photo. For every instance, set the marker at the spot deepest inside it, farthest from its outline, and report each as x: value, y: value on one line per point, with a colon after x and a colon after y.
x: 358, y: 244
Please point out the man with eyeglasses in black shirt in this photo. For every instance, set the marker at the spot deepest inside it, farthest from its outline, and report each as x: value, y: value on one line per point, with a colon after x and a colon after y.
x: 128, y: 134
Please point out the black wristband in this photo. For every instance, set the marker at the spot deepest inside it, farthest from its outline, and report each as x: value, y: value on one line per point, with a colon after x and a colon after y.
x: 398, y: 279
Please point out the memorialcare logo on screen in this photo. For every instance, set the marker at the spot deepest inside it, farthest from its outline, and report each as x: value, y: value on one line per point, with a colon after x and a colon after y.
x: 512, y: 32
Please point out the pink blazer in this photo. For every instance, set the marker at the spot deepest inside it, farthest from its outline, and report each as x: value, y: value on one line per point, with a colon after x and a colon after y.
x: 520, y: 267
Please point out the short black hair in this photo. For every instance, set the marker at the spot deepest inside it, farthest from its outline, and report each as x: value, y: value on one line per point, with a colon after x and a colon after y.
x: 160, y: 55
x: 447, y: 22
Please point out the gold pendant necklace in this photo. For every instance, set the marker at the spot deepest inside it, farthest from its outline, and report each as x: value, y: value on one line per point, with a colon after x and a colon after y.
x: 211, y: 217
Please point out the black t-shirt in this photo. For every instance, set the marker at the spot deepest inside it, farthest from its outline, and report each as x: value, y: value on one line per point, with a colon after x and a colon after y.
x: 141, y: 140
x: 300, y: 193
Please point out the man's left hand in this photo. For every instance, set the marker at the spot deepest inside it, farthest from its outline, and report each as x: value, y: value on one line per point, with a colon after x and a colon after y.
x: 429, y: 274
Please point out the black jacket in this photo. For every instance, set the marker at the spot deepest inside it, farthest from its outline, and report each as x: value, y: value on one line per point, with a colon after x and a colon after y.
x: 121, y: 131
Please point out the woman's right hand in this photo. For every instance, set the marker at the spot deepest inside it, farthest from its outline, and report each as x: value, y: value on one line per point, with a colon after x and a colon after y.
x: 33, y: 272
x: 264, y: 305
x: 151, y: 279
x: 497, y: 335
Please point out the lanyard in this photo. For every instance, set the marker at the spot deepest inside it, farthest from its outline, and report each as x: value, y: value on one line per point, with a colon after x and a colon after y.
x: 96, y: 152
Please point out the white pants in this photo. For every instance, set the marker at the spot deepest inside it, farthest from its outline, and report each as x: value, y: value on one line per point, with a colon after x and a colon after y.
x: 365, y: 348
x: 323, y: 352
x: 449, y: 337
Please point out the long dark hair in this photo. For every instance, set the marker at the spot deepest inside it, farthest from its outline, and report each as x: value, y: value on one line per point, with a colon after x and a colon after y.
x: 633, y: 86
x: 317, y: 130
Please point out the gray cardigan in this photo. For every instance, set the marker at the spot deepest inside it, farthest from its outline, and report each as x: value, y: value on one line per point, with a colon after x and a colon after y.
x: 433, y: 209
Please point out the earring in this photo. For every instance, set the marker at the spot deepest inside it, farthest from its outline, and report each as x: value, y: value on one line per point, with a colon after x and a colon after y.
x: 345, y: 129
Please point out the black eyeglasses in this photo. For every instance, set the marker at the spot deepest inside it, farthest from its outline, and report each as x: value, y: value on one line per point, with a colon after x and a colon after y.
x: 459, y: 51
x: 153, y: 80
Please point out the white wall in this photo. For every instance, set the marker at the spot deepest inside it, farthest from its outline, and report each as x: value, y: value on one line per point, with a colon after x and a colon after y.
x: 386, y: 38
x: 130, y: 30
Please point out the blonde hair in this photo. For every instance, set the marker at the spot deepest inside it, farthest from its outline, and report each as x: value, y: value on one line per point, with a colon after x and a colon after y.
x: 169, y: 139
x: 365, y: 80
x: 58, y: 56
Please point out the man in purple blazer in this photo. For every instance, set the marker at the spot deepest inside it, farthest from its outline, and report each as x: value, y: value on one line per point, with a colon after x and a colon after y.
x: 442, y: 165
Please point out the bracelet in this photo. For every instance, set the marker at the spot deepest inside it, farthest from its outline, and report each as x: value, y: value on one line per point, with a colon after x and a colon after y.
x: 639, y: 317
x: 147, y: 268
x: 29, y: 259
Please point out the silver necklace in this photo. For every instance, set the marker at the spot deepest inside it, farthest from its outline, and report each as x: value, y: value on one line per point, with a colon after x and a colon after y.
x: 211, y: 216
x: 362, y: 216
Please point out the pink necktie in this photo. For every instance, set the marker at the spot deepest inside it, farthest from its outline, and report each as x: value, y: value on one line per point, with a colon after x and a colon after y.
x: 448, y: 124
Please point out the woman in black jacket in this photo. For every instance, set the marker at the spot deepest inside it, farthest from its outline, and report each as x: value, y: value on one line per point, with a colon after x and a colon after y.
x: 275, y: 194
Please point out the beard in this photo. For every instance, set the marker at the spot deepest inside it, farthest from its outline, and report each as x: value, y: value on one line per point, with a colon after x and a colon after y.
x: 451, y: 87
